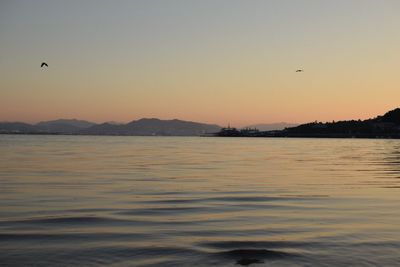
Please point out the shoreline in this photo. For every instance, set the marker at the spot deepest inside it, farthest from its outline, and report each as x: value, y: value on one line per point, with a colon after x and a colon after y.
x: 216, y: 135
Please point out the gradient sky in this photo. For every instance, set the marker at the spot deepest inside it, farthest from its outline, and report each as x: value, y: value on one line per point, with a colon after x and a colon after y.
x: 210, y: 61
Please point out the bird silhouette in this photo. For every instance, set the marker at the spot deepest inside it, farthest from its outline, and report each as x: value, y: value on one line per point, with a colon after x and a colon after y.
x: 44, y: 64
x: 299, y: 70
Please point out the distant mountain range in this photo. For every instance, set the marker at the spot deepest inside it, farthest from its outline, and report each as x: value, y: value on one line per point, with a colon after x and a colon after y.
x: 139, y: 127
x: 153, y: 127
x: 64, y: 125
x: 385, y: 126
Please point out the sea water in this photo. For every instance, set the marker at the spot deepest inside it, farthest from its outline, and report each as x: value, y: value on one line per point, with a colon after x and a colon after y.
x: 198, y: 201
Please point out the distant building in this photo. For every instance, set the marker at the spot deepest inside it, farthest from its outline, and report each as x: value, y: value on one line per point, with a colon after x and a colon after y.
x: 228, y: 131
x: 233, y: 132
x: 249, y: 131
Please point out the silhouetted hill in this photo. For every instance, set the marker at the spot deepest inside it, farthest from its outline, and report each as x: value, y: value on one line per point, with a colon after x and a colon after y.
x: 153, y: 127
x: 64, y: 125
x: 392, y: 116
x: 17, y: 127
x: 104, y: 129
x: 386, y: 126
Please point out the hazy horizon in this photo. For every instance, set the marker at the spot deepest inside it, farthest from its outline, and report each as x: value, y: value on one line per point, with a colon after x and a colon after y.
x: 215, y: 62
x: 174, y: 118
x: 125, y: 122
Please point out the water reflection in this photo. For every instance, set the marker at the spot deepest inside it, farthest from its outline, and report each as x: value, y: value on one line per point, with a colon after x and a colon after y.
x: 164, y: 201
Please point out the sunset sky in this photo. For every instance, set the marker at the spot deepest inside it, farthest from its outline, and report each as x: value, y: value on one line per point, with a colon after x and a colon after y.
x: 209, y: 61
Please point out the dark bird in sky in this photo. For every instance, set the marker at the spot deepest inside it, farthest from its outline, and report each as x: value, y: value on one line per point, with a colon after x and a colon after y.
x: 44, y: 64
x: 299, y: 70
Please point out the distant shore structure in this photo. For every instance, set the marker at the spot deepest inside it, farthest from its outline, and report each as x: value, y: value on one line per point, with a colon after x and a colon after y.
x: 386, y: 126
x: 233, y: 132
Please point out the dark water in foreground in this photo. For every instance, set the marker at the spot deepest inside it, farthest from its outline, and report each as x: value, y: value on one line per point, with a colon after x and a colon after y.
x: 168, y: 201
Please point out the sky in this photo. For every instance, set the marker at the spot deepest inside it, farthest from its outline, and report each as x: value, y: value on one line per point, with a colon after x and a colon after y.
x: 219, y: 61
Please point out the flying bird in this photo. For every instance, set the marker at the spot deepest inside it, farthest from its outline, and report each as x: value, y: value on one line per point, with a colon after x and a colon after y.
x: 299, y: 70
x: 44, y: 64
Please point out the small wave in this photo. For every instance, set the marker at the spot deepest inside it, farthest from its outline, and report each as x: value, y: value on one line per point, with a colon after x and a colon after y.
x: 94, y: 256
x: 252, y: 252
x: 160, y: 211
x: 238, y: 232
x: 233, y: 199
x: 253, y: 244
x: 250, y: 199
x: 174, y: 201
x: 250, y: 256
x: 255, y: 253
x: 87, y: 237
x: 100, y: 221
x: 248, y: 261
x: 70, y: 220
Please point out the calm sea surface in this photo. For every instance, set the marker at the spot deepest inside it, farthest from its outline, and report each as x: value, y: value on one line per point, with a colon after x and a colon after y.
x: 196, y: 201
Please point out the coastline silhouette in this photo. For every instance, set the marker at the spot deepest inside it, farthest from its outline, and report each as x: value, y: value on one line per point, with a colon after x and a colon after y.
x: 385, y: 126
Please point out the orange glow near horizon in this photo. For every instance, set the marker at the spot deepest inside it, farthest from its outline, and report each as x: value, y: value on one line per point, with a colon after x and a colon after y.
x: 229, y: 62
